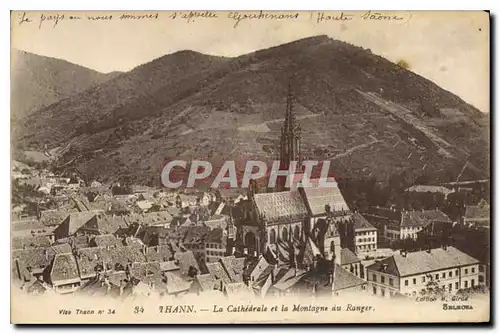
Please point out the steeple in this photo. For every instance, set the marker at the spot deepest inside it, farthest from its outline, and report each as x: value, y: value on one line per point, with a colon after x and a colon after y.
x: 290, y: 135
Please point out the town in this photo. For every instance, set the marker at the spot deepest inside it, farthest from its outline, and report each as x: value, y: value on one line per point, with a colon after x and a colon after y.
x: 95, y: 239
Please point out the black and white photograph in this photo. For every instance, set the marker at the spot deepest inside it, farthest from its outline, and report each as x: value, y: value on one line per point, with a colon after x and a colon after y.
x: 250, y: 167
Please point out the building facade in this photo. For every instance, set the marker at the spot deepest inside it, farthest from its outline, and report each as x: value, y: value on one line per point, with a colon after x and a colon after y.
x: 412, y: 274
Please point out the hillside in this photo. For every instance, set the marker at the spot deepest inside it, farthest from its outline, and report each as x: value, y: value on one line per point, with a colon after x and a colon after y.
x: 369, y: 116
x: 39, y: 81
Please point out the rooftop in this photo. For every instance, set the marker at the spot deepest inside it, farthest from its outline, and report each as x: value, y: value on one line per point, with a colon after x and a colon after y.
x: 423, y: 262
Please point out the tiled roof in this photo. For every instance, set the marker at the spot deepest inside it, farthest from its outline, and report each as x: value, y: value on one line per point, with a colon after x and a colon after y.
x: 30, y: 241
x: 432, y: 189
x: 345, y: 279
x: 160, y: 254
x: 61, y: 248
x: 291, y: 277
x: 348, y: 257
x: 149, y: 273
x: 176, y: 284
x: 74, y: 221
x: 169, y: 266
x: 196, y: 234
x: 53, y: 217
x: 207, y: 282
x: 238, y: 289
x: 64, y: 269
x: 260, y: 270
x: 286, y: 206
x: 318, y: 197
x: 185, y: 261
x: 216, y: 236
x: 90, y: 259
x: 27, y: 224
x: 361, y: 224
x: 36, y: 260
x: 422, y: 217
x: 423, y: 261
x: 234, y: 267
x: 107, y: 240
x: 217, y: 271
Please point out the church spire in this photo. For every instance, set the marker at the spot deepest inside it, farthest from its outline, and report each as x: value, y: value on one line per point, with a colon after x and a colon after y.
x: 290, y: 135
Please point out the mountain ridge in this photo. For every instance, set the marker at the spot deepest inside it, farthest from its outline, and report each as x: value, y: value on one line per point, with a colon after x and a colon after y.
x: 39, y: 81
x: 192, y: 105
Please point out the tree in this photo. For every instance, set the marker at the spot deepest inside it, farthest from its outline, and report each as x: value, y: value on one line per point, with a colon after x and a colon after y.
x: 432, y: 288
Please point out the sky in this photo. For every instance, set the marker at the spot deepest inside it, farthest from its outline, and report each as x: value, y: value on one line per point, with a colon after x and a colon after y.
x: 449, y: 48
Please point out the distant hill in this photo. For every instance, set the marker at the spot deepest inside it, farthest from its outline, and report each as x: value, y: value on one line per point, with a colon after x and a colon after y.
x: 369, y: 116
x: 39, y: 81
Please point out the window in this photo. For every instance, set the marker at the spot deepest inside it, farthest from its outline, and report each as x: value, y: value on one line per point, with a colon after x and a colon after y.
x: 383, y: 292
x: 382, y: 279
x: 481, y: 279
x: 472, y: 283
x: 406, y: 282
x: 450, y: 286
x: 481, y: 269
x: 443, y: 275
x: 374, y: 277
x: 456, y: 272
x: 391, y: 282
x: 414, y: 281
x: 466, y: 284
x: 437, y: 276
x: 450, y: 274
x: 456, y: 285
x: 374, y: 290
x: 466, y: 271
x: 473, y: 270
x: 423, y: 279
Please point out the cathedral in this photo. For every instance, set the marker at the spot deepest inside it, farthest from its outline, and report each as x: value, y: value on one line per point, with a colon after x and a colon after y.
x: 283, y: 223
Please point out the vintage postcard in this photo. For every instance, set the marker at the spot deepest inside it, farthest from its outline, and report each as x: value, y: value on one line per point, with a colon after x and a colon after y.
x: 250, y: 167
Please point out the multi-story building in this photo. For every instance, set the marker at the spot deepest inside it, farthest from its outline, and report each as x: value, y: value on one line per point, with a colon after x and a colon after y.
x: 410, y: 273
x: 398, y: 225
x: 365, y: 235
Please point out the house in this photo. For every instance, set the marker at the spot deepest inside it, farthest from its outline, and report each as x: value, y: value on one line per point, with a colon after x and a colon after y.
x: 187, y: 263
x: 350, y: 262
x: 194, y: 240
x: 340, y: 282
x: 54, y: 217
x: 105, y: 240
x: 216, y: 221
x: 410, y: 273
x: 219, y: 276
x: 365, y: 235
x: 149, y: 273
x: 64, y: 274
x: 477, y: 216
x: 144, y: 205
x: 31, y: 241
x: 160, y: 254
x: 216, y: 245
x: 258, y: 275
x: 399, y: 225
x: 234, y: 267
x: 73, y: 223
x: 177, y: 285
x: 31, y: 263
x: 429, y: 189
